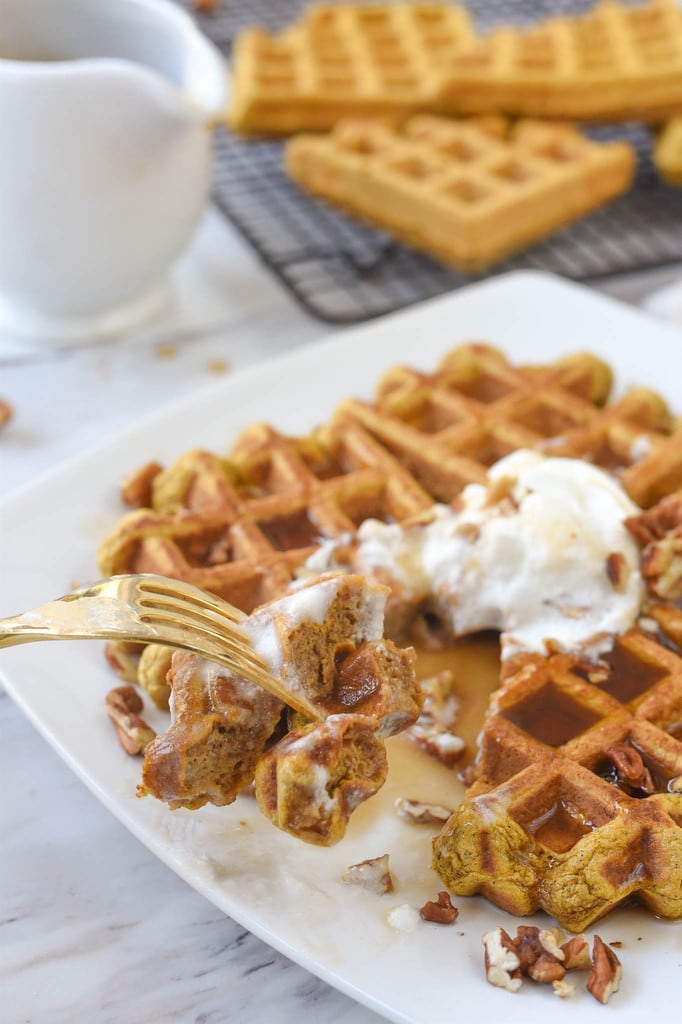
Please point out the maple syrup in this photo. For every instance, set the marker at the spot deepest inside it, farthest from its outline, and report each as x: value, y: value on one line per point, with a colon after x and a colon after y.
x: 551, y: 716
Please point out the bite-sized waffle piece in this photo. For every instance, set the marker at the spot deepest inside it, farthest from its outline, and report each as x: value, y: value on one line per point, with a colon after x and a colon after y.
x: 615, y: 62
x: 311, y: 781
x: 221, y: 724
x: 324, y: 642
x: 454, y: 189
x: 668, y: 151
x: 344, y: 59
x: 576, y: 805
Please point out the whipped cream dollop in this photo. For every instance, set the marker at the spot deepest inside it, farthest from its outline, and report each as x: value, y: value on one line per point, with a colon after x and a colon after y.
x: 540, y: 553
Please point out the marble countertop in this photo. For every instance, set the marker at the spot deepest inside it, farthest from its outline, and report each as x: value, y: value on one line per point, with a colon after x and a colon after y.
x: 93, y: 927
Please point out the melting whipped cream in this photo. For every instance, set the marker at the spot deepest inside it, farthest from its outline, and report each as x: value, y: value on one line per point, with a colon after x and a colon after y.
x: 539, y: 553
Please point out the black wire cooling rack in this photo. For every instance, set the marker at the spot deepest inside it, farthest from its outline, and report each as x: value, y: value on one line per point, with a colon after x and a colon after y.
x: 344, y: 272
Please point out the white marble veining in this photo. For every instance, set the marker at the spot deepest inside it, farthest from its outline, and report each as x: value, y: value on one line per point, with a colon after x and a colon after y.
x: 92, y: 926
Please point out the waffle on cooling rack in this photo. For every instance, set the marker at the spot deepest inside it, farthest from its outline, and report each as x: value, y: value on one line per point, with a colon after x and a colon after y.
x: 613, y: 63
x: 344, y: 59
x: 541, y: 822
x: 467, y: 192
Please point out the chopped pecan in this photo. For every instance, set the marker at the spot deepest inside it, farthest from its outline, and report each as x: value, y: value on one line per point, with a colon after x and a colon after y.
x: 653, y: 524
x: 124, y: 658
x: 563, y: 989
x: 434, y: 729
x: 539, y: 953
x: 616, y: 570
x: 546, y: 969
x: 576, y: 954
x: 372, y: 874
x: 441, y: 911
x: 502, y: 965
x: 136, y: 488
x: 605, y: 973
x: 630, y: 767
x: 421, y: 814
x: 659, y: 530
x: 123, y: 705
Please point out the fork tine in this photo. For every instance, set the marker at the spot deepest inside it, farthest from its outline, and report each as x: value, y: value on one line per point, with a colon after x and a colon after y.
x: 236, y: 642
x: 164, y: 587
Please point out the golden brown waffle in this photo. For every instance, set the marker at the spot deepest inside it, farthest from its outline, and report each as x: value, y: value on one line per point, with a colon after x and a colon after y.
x: 324, y: 641
x: 614, y: 63
x: 457, y: 190
x: 668, y: 151
x: 341, y: 59
x: 578, y: 800
x: 241, y: 525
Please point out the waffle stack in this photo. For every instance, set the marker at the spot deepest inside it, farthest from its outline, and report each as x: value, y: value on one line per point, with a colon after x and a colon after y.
x: 345, y: 59
x: 468, y: 192
x: 577, y: 804
x: 614, y: 63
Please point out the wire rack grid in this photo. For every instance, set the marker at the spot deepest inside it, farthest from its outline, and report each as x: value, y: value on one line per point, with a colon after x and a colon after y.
x: 343, y: 271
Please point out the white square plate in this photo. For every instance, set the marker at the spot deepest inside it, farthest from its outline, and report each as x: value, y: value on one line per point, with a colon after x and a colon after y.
x: 287, y: 893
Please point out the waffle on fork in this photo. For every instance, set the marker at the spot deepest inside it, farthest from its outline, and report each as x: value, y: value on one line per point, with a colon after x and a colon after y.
x: 343, y: 59
x: 614, y: 63
x: 467, y: 192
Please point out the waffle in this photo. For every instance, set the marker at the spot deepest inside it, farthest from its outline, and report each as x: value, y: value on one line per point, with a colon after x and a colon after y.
x: 461, y: 191
x: 343, y: 59
x: 240, y: 525
x: 668, y: 152
x: 542, y: 826
x: 325, y: 643
x: 243, y: 524
x: 614, y: 63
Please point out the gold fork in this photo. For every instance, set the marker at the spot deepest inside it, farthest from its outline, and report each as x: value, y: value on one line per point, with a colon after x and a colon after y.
x: 145, y: 608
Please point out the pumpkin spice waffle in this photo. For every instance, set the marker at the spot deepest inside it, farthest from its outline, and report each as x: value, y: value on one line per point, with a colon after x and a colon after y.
x: 577, y: 804
x: 241, y: 525
x: 469, y: 192
x: 613, y: 63
x: 344, y: 59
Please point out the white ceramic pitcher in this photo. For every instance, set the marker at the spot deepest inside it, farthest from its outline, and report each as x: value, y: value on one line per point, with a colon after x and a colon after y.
x: 105, y: 159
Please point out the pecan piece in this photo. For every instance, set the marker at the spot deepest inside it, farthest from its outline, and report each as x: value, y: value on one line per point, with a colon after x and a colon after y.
x: 616, y: 570
x: 441, y: 911
x: 576, y: 954
x: 123, y: 705
x: 124, y: 658
x: 421, y: 814
x: 563, y: 989
x: 372, y: 874
x: 502, y: 965
x: 539, y: 954
x: 605, y: 973
x: 630, y: 767
x: 546, y: 969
